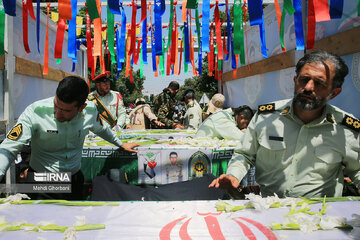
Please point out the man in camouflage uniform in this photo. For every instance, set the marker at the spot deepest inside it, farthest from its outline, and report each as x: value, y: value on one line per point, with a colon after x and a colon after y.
x: 164, y: 106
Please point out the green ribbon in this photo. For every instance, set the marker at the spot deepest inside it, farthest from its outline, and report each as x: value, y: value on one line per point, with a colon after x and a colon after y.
x: 287, y: 7
x: 92, y: 9
x: 58, y: 60
x: 162, y: 60
x: 110, y: 34
x: 2, y: 29
x: 185, y: 64
x: 191, y: 4
x: 219, y: 64
x: 170, y: 24
x: 239, y: 31
x: 358, y: 7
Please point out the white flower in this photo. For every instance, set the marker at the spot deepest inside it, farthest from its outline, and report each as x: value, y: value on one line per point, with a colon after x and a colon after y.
x: 80, y: 220
x: 70, y: 234
x: 290, y: 201
x: 259, y: 203
x: 307, y: 223
x: 220, y: 205
x: 16, y: 198
x: 330, y: 222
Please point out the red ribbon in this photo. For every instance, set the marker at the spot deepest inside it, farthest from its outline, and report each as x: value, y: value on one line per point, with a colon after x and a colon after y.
x: 30, y: 8
x: 321, y: 10
x: 59, y: 38
x: 218, y: 31
x: 168, y: 63
x: 143, y: 10
x: 137, y: 53
x: 278, y: 16
x: 25, y: 27
x: 211, y: 53
x: 133, y: 29
x: 88, y: 41
x: 181, y: 50
x: 173, y: 39
x: 311, y: 25
x: 64, y: 9
x: 46, y: 52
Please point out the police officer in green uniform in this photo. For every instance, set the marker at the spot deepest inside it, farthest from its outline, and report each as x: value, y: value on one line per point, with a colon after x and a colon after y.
x: 304, y: 146
x: 193, y: 115
x: 56, y: 128
x: 111, y: 100
x: 164, y: 106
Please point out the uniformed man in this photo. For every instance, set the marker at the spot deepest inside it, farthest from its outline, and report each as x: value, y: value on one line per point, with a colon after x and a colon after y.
x: 174, y: 169
x: 141, y: 116
x: 216, y: 104
x: 304, y: 146
x: 56, y: 128
x: 193, y: 115
x: 226, y: 124
x: 112, y: 101
x: 164, y: 106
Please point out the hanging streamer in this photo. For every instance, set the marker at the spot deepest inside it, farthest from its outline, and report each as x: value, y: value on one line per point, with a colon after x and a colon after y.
x: 211, y: 53
x: 10, y: 7
x: 311, y: 26
x: 186, y: 42
x: 110, y: 34
x: 257, y: 18
x: 218, y: 31
x: 25, y: 27
x: 321, y: 10
x: 38, y: 25
x: 144, y: 41
x: 205, y: 25
x: 59, y: 38
x: 153, y: 51
x: 171, y: 24
x: 97, y: 32
x: 199, y: 40
x: 122, y: 36
x: 159, y: 9
x: 119, y: 67
x: 114, y: 6
x: 228, y: 28
x: 336, y: 8
x: 72, y: 33
x: 65, y: 9
x: 30, y: 8
x: 132, y: 32
x: 46, y: 51
x: 88, y: 41
x: 238, y: 31
x: 299, y: 32
x: 141, y: 63
x: 287, y: 7
x: 92, y: 9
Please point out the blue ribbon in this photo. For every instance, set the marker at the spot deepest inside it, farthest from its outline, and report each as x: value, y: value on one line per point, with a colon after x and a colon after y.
x: 72, y: 32
x: 117, y: 36
x: 200, y: 59
x: 38, y: 25
x: 233, y: 58
x: 153, y: 53
x: 159, y: 9
x: 229, y: 31
x: 257, y: 18
x: 205, y: 26
x: 114, y: 6
x: 144, y: 41
x: 122, y: 36
x: 186, y: 41
x: 73, y: 67
x: 10, y: 7
x: 336, y: 8
x: 299, y: 32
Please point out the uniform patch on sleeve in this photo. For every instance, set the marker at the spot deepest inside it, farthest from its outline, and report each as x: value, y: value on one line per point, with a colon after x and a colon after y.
x: 15, y: 132
x: 266, y: 108
x: 351, y: 123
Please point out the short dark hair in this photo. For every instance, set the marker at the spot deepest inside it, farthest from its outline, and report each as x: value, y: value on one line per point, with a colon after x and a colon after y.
x: 244, y: 110
x: 174, y: 85
x: 189, y: 93
x: 72, y: 89
x: 341, y: 69
x: 173, y: 153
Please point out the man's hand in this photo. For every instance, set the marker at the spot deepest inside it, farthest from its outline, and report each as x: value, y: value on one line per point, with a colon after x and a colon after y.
x: 177, y: 125
x: 225, y: 182
x: 129, y: 147
x: 128, y: 126
x: 158, y: 123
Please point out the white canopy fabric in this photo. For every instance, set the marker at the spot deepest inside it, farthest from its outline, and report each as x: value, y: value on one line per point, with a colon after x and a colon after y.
x: 204, y: 99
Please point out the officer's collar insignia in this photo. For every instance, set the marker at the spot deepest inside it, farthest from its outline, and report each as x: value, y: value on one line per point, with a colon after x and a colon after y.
x: 266, y: 108
x: 15, y: 132
x: 90, y: 97
x: 330, y: 118
x: 351, y: 123
x: 286, y: 110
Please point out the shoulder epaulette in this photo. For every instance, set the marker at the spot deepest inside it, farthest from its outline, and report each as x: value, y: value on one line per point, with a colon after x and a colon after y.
x: 351, y: 123
x: 90, y: 97
x: 266, y: 108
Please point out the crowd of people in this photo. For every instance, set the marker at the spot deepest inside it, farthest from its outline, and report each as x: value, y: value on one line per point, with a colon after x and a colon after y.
x: 295, y: 147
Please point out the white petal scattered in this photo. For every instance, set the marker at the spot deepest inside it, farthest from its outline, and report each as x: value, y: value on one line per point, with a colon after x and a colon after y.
x: 260, y: 203
x: 16, y: 198
x: 70, y: 234
x: 330, y: 222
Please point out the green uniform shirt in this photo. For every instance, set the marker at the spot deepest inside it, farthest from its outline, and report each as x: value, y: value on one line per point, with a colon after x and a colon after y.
x: 55, y: 146
x: 193, y: 115
x: 220, y: 124
x: 112, y: 101
x: 296, y: 159
x: 164, y: 108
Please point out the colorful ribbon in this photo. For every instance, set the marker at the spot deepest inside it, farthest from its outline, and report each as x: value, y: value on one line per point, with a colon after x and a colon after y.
x: 321, y: 10
x: 159, y: 9
x: 90, y: 57
x: 114, y: 6
x: 311, y: 25
x: 336, y: 8
x: 205, y: 25
x: 238, y: 45
x: 46, y: 52
x: 10, y: 7
x: 256, y: 16
x: 186, y: 41
x: 144, y: 42
x: 117, y: 34
x: 287, y: 7
x: 25, y: 26
x: 72, y: 33
x: 38, y: 24
x: 65, y: 11
x: 59, y: 38
x: 122, y: 36
x: 92, y: 9
x: 171, y: 24
x: 299, y: 32
x: 218, y: 31
x: 110, y: 34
